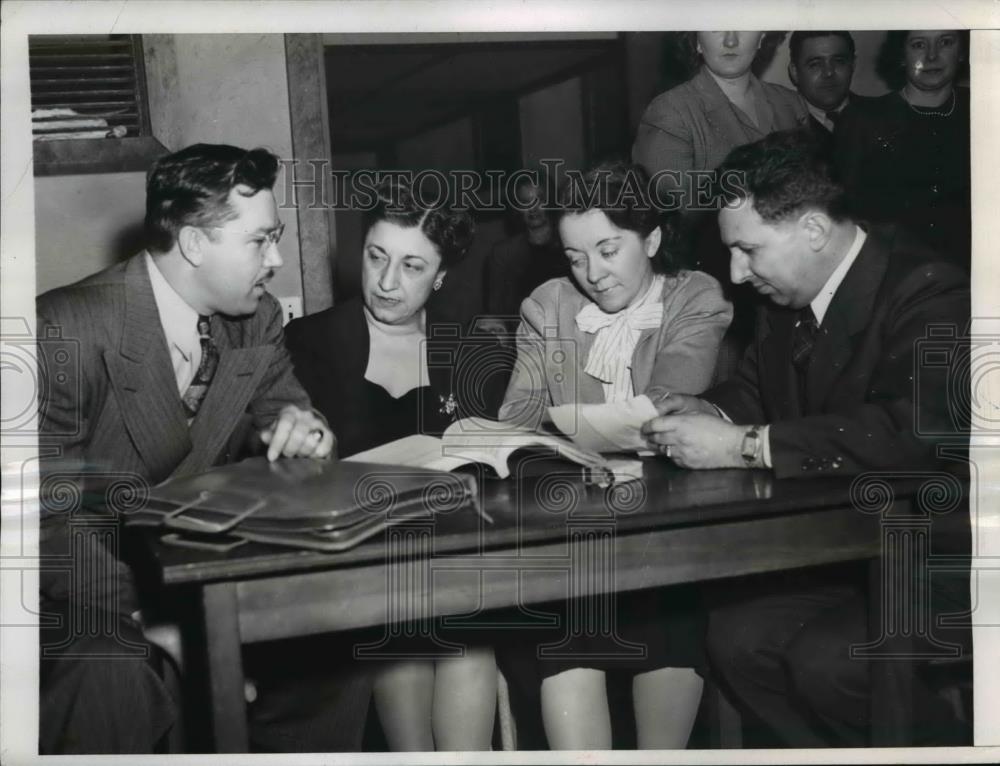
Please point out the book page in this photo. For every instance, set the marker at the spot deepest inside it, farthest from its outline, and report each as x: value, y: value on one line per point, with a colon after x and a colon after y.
x: 493, y: 442
x: 417, y: 451
x: 605, y: 427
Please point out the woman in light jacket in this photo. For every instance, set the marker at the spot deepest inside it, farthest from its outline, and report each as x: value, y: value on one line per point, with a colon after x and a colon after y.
x: 696, y: 124
x: 626, y: 324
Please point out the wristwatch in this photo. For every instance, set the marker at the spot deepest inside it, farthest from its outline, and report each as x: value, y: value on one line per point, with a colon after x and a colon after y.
x: 751, y: 447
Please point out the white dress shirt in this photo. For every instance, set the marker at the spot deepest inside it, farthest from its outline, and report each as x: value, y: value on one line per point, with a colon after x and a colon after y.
x: 180, y: 326
x: 819, y: 306
x: 820, y: 114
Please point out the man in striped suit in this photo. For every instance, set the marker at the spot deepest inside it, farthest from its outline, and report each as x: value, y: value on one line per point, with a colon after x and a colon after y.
x: 153, y: 368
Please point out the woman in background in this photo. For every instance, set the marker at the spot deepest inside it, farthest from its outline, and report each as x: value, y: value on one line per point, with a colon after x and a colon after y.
x: 695, y: 125
x: 627, y: 323
x: 364, y: 363
x: 691, y: 128
x: 906, y: 159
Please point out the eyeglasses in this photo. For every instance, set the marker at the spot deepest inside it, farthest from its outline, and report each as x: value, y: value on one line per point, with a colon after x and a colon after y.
x: 272, y: 237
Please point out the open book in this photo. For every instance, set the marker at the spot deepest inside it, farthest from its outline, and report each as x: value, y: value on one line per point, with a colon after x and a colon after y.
x: 475, y: 440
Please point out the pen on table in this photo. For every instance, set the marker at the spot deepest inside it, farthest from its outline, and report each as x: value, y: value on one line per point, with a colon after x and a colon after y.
x: 660, y: 398
x: 482, y: 513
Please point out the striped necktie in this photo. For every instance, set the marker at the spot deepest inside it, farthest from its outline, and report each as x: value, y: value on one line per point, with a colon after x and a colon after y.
x: 206, y: 370
x: 804, y: 338
x: 803, y: 342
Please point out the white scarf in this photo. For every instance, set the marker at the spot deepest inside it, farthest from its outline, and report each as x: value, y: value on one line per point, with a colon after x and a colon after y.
x: 610, y: 358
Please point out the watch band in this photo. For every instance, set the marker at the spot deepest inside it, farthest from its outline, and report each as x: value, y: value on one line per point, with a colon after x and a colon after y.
x: 752, y: 447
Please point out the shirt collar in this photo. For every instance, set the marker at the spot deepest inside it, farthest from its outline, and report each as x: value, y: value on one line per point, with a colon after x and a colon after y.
x: 820, y: 114
x: 178, y: 319
x: 821, y: 302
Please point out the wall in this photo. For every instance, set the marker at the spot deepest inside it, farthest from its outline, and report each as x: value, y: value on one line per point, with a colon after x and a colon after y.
x: 214, y: 88
x: 84, y: 224
x: 448, y: 147
x: 552, y: 124
x: 350, y: 230
x: 226, y: 89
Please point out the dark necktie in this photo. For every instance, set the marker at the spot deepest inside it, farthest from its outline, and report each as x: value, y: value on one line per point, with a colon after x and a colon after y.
x: 206, y: 370
x: 803, y: 341
x: 804, y: 338
x: 833, y: 115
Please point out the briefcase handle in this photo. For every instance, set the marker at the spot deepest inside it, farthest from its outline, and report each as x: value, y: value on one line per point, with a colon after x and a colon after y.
x: 176, y: 519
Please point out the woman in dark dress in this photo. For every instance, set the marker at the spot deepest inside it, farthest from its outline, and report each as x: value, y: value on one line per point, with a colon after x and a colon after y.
x: 906, y: 159
x: 365, y: 366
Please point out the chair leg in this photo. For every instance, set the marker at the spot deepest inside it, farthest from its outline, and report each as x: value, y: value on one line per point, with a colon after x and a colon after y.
x: 176, y: 741
x: 508, y: 727
x: 726, y: 723
x: 166, y: 636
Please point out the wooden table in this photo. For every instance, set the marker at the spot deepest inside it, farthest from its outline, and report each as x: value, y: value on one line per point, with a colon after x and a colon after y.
x: 548, y: 530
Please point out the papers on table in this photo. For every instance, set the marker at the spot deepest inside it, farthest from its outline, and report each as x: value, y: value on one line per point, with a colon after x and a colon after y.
x: 606, y: 427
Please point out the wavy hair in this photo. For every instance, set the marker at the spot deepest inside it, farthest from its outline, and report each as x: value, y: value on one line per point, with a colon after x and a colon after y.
x: 450, y: 231
x: 191, y: 188
x: 622, y: 192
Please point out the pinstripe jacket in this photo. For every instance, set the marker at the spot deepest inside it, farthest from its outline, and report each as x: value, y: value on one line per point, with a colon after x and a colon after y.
x: 109, y: 408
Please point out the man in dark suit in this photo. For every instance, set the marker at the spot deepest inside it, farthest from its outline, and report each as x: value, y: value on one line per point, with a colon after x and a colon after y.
x: 821, y: 66
x: 150, y: 370
x: 825, y: 388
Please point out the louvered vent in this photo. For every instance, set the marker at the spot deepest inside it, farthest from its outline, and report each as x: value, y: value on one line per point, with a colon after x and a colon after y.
x: 87, y: 86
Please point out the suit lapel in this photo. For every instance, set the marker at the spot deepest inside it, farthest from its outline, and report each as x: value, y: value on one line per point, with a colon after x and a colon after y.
x: 577, y: 385
x: 350, y: 345
x: 236, y: 378
x: 765, y: 111
x: 849, y: 314
x: 142, y: 378
x: 779, y: 380
x: 723, y: 118
x: 642, y: 360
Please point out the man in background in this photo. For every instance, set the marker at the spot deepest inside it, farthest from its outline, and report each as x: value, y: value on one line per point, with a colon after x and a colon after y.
x: 526, y: 260
x: 821, y: 66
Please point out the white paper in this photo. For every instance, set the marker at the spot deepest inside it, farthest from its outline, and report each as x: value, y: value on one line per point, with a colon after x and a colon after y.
x: 605, y: 427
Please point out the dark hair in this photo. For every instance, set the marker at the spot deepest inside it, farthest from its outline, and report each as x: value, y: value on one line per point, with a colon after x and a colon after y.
x: 785, y: 173
x: 622, y: 192
x: 191, y: 188
x: 797, y: 38
x: 890, y: 64
x: 450, y: 231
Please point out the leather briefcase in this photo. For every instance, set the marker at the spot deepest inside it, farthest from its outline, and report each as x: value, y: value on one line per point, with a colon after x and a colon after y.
x: 325, y: 505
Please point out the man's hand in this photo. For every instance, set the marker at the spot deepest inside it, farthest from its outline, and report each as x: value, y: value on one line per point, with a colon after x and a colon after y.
x: 696, y: 441
x: 684, y: 404
x: 298, y: 433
